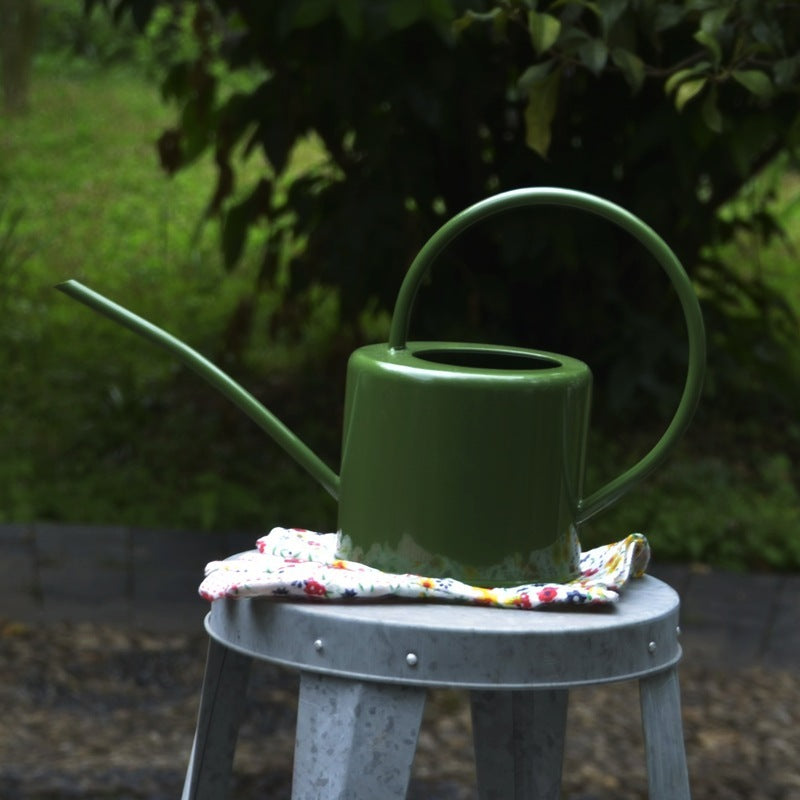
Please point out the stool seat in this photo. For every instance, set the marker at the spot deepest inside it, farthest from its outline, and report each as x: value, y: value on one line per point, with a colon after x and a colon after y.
x: 460, y: 646
x: 365, y: 668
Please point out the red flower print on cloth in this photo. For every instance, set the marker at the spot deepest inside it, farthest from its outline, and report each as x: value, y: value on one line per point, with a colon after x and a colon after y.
x: 547, y: 594
x: 588, y: 573
x: 522, y: 600
x: 315, y: 588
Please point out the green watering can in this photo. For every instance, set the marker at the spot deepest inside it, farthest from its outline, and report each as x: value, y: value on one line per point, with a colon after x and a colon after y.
x: 463, y: 460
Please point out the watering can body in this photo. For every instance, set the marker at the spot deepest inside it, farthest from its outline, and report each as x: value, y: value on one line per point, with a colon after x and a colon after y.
x: 464, y: 461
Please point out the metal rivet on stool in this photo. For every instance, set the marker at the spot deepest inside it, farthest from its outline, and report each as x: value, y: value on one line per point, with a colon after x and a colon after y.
x: 651, y: 647
x: 411, y: 659
x: 318, y: 645
x: 678, y: 631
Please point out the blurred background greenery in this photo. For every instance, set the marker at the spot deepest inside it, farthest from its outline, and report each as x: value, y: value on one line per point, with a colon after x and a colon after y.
x: 257, y: 179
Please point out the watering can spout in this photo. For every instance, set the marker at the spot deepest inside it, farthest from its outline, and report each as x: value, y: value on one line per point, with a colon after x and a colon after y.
x: 267, y: 421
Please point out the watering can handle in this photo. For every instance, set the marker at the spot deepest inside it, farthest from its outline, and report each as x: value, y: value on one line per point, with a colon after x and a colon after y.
x: 505, y: 201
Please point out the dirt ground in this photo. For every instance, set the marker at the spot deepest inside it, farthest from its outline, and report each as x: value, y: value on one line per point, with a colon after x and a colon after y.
x: 96, y: 711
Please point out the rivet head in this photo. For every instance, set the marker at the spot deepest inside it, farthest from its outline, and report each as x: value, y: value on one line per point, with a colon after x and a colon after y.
x: 678, y: 630
x: 411, y: 659
x: 651, y: 647
x: 318, y: 645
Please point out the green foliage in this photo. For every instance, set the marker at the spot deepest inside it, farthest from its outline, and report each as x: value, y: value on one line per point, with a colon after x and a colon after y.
x: 712, y: 510
x: 668, y: 108
x: 12, y: 251
x: 695, y: 48
x: 78, y: 36
x: 68, y: 34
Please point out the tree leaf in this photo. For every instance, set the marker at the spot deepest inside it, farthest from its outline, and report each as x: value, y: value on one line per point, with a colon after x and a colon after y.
x: 712, y: 20
x: 684, y: 74
x: 631, y: 65
x: 309, y: 13
x: 235, y: 234
x: 463, y: 22
x: 578, y: 4
x: 539, y: 113
x: 170, y: 150
x: 594, y: 55
x: 572, y: 37
x: 534, y: 74
x: 141, y: 11
x: 544, y: 30
x: 484, y: 16
x: 438, y: 10
x: 352, y: 16
x: 687, y: 90
x: 755, y: 81
x: 770, y: 33
x: 709, y: 41
x: 403, y: 13
x: 668, y: 15
x: 786, y: 71
x: 702, y: 5
x: 496, y: 16
x: 711, y: 113
x: 238, y: 220
x: 610, y: 12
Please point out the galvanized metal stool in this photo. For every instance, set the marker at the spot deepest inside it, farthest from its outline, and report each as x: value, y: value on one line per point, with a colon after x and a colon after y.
x: 365, y: 669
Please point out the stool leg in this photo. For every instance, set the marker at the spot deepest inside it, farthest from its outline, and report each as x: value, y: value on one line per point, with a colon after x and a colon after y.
x: 519, y: 743
x: 667, y: 775
x: 222, y: 702
x: 355, y: 740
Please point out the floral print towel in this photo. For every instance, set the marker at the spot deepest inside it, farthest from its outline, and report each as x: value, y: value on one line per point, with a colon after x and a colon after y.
x: 298, y: 563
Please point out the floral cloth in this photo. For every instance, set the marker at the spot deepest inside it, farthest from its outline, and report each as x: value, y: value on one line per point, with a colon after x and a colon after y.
x: 298, y: 563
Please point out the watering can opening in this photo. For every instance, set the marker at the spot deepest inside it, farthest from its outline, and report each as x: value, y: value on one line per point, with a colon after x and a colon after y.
x: 485, y: 358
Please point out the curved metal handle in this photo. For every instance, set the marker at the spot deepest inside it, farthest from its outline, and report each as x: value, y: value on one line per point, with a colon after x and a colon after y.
x: 516, y: 198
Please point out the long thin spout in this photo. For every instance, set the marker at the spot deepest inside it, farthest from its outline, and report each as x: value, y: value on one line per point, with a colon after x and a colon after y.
x: 215, y: 376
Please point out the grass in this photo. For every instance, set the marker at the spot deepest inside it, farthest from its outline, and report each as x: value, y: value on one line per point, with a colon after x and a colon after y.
x: 97, y: 426
x: 82, y: 169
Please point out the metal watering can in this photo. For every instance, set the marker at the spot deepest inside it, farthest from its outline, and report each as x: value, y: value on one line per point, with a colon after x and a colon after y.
x: 463, y: 460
